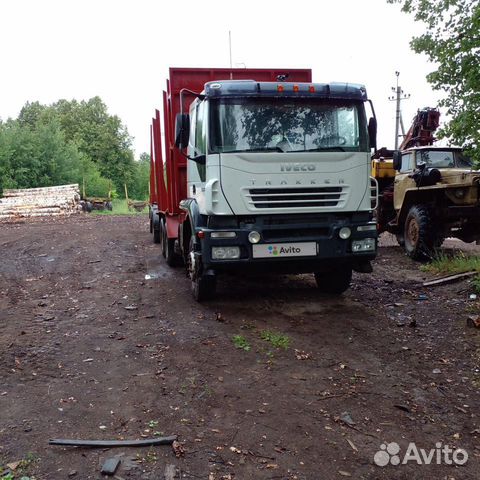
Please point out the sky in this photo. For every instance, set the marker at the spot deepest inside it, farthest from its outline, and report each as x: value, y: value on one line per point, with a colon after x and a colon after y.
x: 121, y: 50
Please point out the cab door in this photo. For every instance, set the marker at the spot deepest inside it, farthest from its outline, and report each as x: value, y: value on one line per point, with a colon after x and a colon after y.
x: 403, y: 182
x: 197, y: 146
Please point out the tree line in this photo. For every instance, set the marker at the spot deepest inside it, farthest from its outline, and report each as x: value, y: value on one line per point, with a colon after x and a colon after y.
x: 452, y: 43
x: 71, y: 141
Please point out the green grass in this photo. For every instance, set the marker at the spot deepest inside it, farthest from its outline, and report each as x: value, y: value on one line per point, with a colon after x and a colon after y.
x: 20, y: 473
x: 241, y: 342
x: 451, y: 265
x: 277, y: 340
x: 476, y: 284
x: 120, y: 207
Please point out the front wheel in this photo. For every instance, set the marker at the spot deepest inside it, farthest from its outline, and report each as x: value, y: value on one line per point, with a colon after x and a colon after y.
x: 335, y: 282
x: 203, y: 285
x: 421, y: 238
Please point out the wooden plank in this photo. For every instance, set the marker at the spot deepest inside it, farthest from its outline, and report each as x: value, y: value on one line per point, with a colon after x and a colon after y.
x: 450, y: 278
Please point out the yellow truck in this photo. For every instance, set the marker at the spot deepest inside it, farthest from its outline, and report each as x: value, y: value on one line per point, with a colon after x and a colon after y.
x: 426, y: 193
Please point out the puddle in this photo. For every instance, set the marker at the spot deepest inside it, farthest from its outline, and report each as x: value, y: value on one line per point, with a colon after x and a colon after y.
x: 158, y: 271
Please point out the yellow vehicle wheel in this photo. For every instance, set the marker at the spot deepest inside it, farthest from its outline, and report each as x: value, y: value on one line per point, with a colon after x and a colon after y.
x: 419, y: 233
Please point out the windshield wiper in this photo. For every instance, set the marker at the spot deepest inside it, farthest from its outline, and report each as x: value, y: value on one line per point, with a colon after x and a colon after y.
x: 324, y: 149
x: 256, y: 149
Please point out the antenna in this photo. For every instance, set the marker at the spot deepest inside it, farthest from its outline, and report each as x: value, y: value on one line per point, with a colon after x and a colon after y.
x: 230, y: 46
x: 398, y: 97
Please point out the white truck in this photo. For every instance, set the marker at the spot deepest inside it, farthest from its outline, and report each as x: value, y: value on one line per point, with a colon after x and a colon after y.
x: 277, y: 180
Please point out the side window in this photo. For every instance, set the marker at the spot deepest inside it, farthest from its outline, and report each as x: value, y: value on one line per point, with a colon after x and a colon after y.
x: 201, y: 138
x: 191, y: 140
x: 406, y: 163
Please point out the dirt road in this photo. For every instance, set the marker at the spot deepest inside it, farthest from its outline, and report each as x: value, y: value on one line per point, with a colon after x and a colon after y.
x: 269, y: 381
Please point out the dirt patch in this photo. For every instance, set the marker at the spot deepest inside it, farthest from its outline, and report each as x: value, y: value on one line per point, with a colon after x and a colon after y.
x: 100, y: 339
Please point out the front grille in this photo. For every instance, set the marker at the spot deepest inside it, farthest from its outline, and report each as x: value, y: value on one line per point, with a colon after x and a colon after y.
x: 298, y: 197
x: 314, y: 232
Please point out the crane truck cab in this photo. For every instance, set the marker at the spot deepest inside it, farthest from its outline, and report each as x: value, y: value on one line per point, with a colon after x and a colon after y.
x: 277, y: 180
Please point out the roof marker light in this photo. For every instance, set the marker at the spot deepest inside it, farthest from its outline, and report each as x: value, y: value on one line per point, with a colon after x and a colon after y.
x: 311, y: 89
x: 280, y: 88
x: 295, y: 88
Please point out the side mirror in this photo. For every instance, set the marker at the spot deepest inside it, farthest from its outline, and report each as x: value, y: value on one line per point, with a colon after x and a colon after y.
x: 372, y: 132
x: 182, y: 130
x: 397, y: 160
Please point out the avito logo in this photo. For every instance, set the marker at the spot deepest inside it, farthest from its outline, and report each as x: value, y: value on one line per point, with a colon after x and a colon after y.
x: 274, y: 250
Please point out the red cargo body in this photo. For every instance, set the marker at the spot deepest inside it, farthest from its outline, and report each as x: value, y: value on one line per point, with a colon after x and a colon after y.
x: 168, y: 180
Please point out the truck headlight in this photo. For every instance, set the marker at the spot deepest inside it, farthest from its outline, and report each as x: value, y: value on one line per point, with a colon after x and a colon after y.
x: 225, y: 253
x: 344, y: 233
x: 254, y: 237
x: 459, y: 193
x: 364, y: 245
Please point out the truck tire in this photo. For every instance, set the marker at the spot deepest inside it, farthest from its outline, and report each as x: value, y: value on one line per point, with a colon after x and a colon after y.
x: 420, y: 233
x: 172, y: 258
x: 156, y: 234
x: 170, y: 251
x: 335, y: 282
x: 203, y: 286
x: 163, y: 238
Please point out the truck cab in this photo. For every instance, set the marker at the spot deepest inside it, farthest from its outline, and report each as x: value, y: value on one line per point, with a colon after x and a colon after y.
x: 278, y: 179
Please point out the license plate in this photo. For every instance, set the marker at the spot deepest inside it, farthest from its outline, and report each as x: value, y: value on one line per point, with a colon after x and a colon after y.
x: 278, y: 250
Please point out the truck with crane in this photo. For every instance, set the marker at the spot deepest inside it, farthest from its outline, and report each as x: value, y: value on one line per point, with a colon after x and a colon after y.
x: 426, y: 192
x: 263, y: 170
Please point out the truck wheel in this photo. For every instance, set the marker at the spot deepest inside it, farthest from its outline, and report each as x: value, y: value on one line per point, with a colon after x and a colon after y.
x: 419, y: 232
x: 163, y: 238
x: 203, y: 286
x: 335, y: 282
x: 156, y: 233
x: 173, y: 259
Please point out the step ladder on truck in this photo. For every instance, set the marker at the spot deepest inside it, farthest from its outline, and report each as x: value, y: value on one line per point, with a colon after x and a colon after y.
x: 263, y: 170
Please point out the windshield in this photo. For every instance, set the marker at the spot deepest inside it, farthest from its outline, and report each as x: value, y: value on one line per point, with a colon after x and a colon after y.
x: 287, y: 125
x: 444, y: 159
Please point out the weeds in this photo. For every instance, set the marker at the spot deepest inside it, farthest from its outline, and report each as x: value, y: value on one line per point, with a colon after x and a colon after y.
x: 241, y: 342
x: 476, y: 284
x: 21, y: 470
x: 119, y: 207
x: 277, y: 340
x: 451, y: 265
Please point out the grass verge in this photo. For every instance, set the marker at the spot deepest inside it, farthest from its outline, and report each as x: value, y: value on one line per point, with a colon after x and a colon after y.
x: 451, y: 265
x: 120, y: 207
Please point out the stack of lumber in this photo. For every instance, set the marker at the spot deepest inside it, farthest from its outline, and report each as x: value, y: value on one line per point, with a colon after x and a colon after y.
x: 40, y: 202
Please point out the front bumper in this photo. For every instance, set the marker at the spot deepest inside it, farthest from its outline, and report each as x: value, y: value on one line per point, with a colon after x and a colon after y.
x: 322, y: 229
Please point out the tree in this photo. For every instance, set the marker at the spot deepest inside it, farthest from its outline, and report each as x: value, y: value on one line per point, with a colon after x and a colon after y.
x: 100, y: 137
x: 35, y: 157
x: 452, y: 43
x: 138, y: 187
